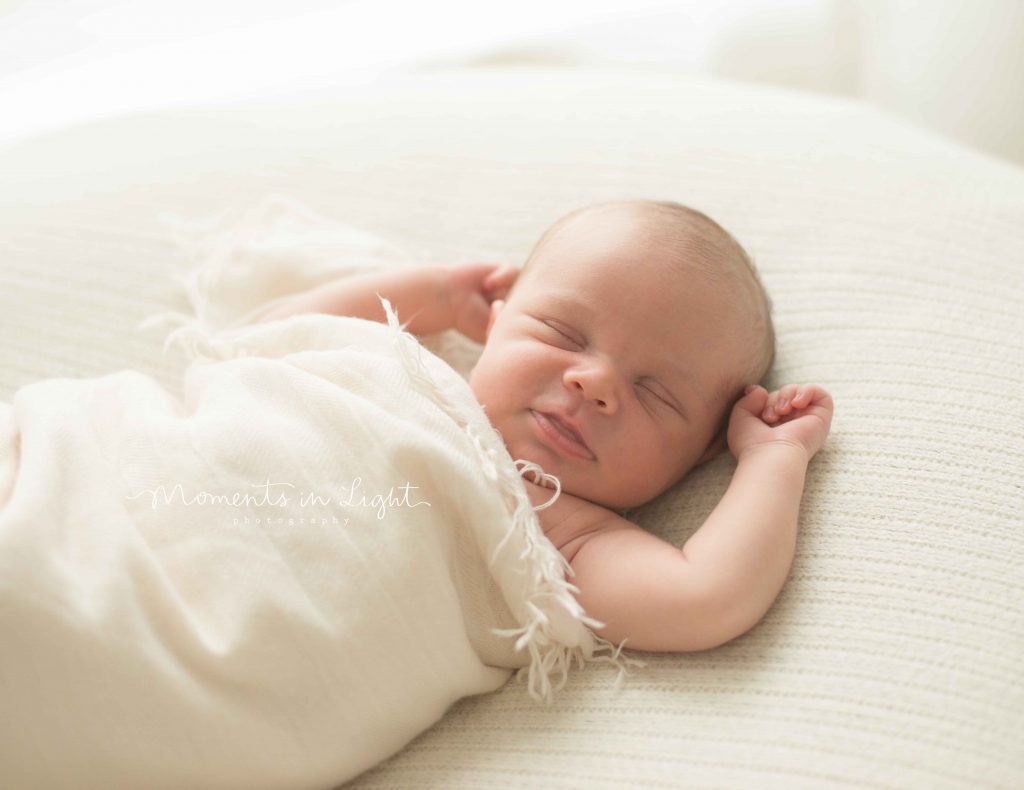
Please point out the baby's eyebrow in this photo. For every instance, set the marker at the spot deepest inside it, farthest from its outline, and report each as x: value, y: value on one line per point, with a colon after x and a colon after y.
x: 568, y: 300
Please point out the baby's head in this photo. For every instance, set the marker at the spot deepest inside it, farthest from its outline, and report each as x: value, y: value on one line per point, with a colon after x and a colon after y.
x: 617, y: 356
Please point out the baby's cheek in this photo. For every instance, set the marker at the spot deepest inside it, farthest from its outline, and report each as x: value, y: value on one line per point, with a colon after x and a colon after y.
x: 678, y: 457
x: 486, y: 379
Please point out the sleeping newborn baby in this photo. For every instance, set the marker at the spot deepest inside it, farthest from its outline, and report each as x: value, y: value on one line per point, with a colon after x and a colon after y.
x: 624, y: 353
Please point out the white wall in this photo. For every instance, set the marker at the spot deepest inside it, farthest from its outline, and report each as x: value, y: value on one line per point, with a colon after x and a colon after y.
x: 953, y: 65
x: 956, y: 66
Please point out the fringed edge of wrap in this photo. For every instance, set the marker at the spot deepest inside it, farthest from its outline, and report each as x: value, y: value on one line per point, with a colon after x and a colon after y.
x: 545, y: 564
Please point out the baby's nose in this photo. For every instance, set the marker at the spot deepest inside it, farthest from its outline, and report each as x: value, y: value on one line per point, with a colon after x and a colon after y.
x: 597, y: 401
x: 595, y: 384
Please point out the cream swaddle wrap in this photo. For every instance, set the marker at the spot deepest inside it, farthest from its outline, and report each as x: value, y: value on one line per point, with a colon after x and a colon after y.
x: 277, y: 580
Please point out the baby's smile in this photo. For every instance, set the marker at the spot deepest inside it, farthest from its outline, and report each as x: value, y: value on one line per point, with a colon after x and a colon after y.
x: 560, y: 433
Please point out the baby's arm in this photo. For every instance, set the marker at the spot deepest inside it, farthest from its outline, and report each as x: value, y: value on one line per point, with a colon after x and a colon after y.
x: 427, y: 299
x: 728, y: 574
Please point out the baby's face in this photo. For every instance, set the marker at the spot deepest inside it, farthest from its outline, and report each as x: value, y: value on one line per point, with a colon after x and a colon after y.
x: 608, y: 374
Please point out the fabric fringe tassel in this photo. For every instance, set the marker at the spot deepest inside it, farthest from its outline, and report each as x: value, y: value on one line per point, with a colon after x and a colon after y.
x: 549, y: 569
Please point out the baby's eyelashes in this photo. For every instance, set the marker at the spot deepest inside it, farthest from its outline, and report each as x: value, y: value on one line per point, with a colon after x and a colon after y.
x: 563, y: 333
x: 653, y: 393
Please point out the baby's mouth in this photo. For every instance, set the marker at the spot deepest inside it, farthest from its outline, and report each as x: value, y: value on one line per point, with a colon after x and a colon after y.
x: 562, y: 436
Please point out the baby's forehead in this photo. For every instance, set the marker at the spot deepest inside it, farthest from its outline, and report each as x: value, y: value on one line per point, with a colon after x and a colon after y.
x: 618, y: 274
x: 645, y: 242
x: 625, y: 223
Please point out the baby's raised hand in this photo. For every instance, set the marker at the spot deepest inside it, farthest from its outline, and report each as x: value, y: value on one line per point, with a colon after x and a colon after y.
x: 470, y: 290
x: 797, y: 415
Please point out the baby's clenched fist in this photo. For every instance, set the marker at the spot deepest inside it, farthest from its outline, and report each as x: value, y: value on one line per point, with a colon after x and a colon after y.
x: 797, y: 414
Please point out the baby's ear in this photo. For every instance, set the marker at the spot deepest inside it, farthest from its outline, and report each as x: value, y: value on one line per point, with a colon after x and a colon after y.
x: 496, y: 307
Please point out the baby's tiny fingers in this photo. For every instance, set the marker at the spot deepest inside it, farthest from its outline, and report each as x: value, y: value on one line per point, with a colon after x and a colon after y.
x: 753, y: 399
x: 801, y: 398
x: 502, y: 276
x: 790, y: 393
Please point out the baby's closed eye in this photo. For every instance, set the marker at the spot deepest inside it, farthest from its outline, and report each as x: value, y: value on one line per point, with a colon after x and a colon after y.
x: 651, y: 393
x: 563, y: 334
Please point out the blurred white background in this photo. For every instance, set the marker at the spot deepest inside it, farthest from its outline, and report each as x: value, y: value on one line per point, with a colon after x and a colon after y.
x: 955, y: 66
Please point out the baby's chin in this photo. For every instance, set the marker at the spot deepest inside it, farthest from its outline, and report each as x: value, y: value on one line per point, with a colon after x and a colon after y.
x: 597, y: 490
x: 582, y: 486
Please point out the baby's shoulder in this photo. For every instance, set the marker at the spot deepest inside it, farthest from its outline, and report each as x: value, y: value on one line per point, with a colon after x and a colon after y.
x: 571, y: 521
x: 641, y: 587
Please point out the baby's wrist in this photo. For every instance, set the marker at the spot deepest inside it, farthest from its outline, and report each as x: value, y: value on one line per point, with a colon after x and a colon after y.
x: 431, y: 299
x: 777, y: 451
x: 447, y: 289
